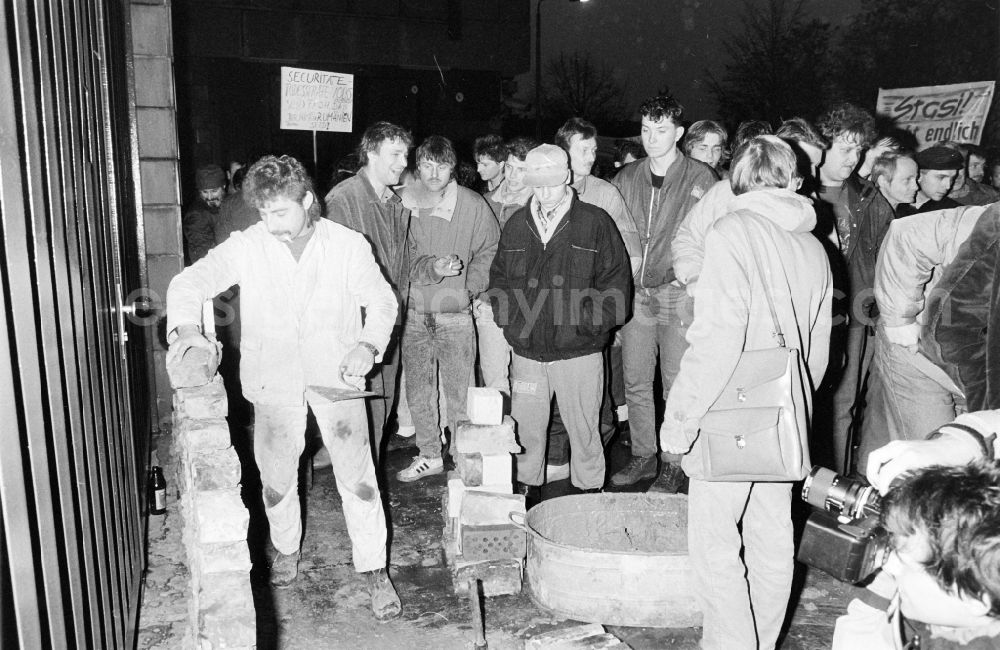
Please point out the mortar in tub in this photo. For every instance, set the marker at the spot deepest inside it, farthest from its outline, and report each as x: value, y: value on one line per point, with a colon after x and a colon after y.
x: 612, y: 558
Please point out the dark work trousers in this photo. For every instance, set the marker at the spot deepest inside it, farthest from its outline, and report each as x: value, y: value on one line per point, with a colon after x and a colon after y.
x: 385, y: 382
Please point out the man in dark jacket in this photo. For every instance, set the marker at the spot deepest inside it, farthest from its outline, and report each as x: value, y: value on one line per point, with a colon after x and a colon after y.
x: 200, y: 219
x: 560, y: 282
x: 366, y: 203
x: 852, y: 219
x: 659, y: 191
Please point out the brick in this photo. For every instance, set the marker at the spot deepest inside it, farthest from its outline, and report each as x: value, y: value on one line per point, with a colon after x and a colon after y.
x: 154, y: 82
x: 197, y: 436
x: 215, y: 470
x: 202, y: 402
x: 497, y: 469
x: 590, y: 636
x: 220, y: 516
x: 492, y: 542
x: 159, y: 182
x: 470, y: 468
x: 486, y: 439
x: 161, y: 269
x: 157, y: 132
x: 226, y: 617
x: 196, y: 368
x: 484, y: 406
x: 162, y: 224
x: 223, y: 557
x: 151, y: 30
x: 488, y: 508
x: 499, y: 577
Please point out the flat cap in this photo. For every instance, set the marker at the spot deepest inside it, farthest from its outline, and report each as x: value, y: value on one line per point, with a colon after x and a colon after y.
x: 939, y: 158
x: 209, y: 177
x: 547, y: 166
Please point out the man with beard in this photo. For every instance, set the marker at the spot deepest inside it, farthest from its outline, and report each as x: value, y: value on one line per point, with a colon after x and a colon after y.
x: 199, y: 220
x: 453, y: 238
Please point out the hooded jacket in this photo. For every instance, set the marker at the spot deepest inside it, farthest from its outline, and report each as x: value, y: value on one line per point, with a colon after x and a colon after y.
x: 731, y: 311
x: 658, y: 212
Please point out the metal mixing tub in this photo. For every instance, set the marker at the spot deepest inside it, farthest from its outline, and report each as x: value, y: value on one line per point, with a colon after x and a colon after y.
x: 612, y: 558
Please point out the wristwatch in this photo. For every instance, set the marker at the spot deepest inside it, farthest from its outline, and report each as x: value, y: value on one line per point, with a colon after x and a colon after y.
x: 368, y: 346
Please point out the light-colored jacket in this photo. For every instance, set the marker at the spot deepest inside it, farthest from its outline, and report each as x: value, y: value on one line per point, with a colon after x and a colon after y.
x: 905, y: 276
x: 689, y: 243
x: 731, y: 311
x: 299, y: 318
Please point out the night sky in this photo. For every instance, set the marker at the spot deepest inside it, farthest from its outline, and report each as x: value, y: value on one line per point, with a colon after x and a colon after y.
x: 655, y: 43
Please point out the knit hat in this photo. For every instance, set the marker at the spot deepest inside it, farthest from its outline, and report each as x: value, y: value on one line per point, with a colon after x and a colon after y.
x: 209, y: 177
x: 939, y: 158
x: 547, y: 166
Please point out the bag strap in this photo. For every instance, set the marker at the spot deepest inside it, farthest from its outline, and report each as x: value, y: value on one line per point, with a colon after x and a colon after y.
x: 763, y: 280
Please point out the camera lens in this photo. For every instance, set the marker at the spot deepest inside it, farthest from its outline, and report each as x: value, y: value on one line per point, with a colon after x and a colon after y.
x: 839, y: 495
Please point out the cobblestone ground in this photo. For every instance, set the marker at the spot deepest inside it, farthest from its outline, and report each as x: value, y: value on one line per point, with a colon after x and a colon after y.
x: 327, y: 607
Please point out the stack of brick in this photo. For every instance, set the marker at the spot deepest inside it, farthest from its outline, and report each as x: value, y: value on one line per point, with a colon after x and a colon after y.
x: 215, y: 519
x: 479, y: 539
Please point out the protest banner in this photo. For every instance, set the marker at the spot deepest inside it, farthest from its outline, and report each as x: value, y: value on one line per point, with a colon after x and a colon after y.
x: 933, y: 113
x: 316, y: 100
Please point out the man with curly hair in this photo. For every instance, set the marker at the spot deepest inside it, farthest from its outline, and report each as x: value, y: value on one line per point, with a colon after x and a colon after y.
x: 304, y: 282
x: 852, y: 219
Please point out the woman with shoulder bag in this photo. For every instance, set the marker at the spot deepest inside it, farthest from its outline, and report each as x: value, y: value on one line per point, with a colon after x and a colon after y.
x: 739, y: 408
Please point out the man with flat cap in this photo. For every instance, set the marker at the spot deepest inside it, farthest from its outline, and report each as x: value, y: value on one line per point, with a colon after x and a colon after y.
x: 200, y: 219
x: 560, y: 282
x: 938, y: 168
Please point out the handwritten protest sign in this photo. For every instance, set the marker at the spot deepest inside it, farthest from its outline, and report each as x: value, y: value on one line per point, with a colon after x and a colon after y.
x: 933, y: 113
x: 316, y: 100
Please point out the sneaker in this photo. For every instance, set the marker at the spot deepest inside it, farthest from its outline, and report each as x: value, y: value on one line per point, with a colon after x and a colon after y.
x: 638, y: 468
x: 385, y: 600
x: 421, y: 467
x: 556, y: 472
x: 284, y: 568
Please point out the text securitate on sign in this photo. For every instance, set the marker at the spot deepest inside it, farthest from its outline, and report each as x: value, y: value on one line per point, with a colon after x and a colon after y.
x: 934, y: 113
x: 315, y: 100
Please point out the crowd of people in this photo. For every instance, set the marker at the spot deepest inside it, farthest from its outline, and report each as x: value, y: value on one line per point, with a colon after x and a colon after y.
x: 565, y: 291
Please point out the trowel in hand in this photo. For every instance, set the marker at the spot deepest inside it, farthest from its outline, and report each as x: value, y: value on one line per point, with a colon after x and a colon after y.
x: 331, y: 394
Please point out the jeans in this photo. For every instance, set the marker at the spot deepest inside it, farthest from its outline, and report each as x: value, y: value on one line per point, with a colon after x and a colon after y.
x: 494, y: 351
x: 743, y: 601
x: 445, y: 341
x: 386, y: 382
x: 839, y: 391
x: 279, y: 438
x: 578, y: 384
x: 659, y: 324
x: 904, y: 403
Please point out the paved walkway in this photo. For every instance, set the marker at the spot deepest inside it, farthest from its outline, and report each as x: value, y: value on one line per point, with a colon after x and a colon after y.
x: 327, y: 606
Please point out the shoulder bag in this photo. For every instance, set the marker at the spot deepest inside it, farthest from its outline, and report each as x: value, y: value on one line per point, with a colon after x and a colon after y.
x: 757, y: 430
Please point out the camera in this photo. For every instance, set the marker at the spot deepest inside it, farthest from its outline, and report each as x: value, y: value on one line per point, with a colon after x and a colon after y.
x: 843, y: 536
